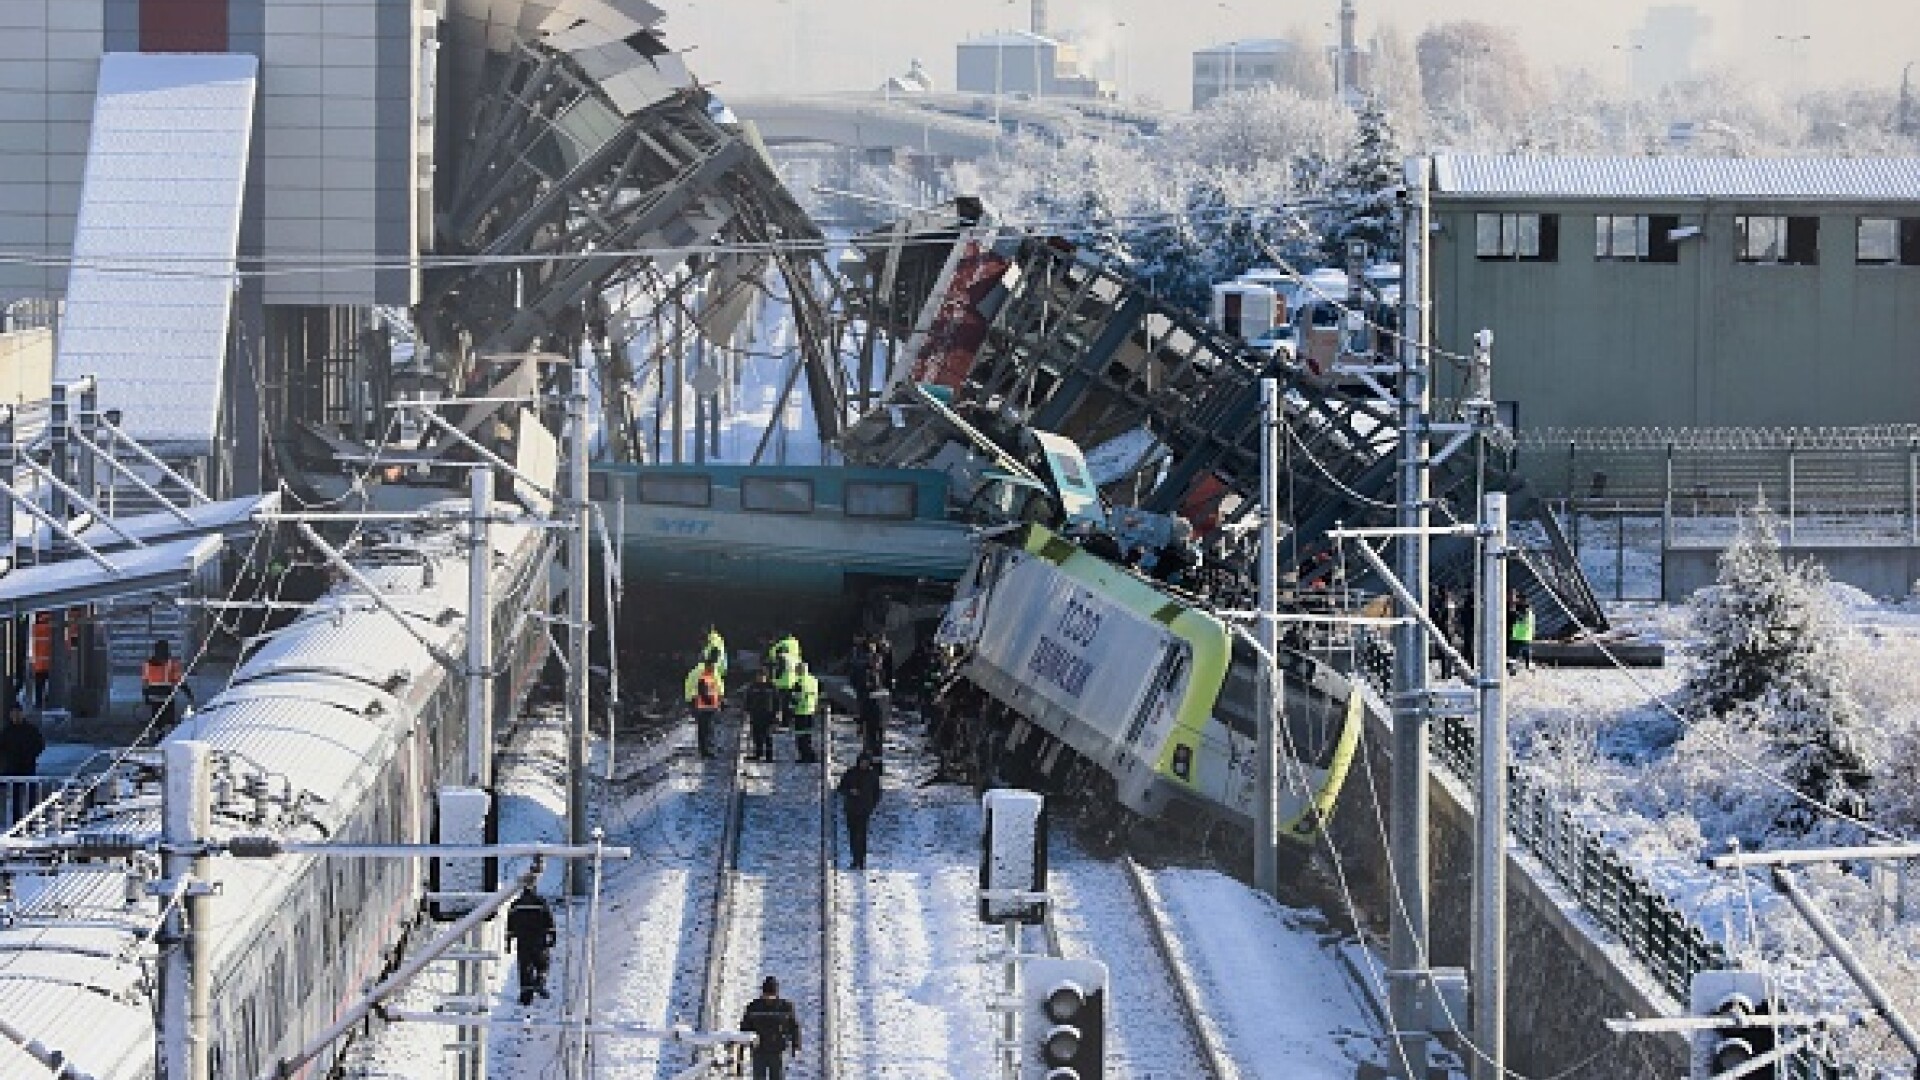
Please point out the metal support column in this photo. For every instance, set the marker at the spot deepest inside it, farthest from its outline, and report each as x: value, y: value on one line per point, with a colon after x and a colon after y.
x: 185, y: 955
x: 1407, y: 953
x: 1490, y: 810
x: 1266, y: 859
x: 472, y: 1041
x: 577, y: 615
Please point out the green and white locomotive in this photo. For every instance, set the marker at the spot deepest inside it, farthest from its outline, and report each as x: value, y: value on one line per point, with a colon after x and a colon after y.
x: 1137, y: 702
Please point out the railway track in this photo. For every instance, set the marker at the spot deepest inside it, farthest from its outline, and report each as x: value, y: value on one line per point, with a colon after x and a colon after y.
x: 773, y: 902
x: 1200, y: 1024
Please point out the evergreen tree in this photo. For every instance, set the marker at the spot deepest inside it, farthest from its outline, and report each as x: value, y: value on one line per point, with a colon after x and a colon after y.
x: 1365, y: 191
x: 1771, y: 646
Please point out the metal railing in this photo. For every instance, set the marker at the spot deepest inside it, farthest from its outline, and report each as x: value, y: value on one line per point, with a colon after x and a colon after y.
x: 20, y: 795
x: 1666, y: 944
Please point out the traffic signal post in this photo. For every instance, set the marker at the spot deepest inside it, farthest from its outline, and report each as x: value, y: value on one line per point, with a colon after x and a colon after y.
x: 1052, y: 1010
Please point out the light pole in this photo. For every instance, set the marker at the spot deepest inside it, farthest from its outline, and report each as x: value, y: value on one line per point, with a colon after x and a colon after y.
x: 1796, y: 53
x: 1626, y: 55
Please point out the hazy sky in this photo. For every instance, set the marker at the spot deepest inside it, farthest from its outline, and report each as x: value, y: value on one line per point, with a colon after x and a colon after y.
x: 754, y: 46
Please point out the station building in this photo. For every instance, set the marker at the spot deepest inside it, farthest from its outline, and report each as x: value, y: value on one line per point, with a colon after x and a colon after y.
x: 1685, y: 292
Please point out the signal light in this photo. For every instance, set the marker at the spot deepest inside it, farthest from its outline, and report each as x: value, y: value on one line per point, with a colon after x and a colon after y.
x: 1067, y: 1017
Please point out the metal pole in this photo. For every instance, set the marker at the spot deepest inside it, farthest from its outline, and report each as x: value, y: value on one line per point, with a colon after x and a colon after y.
x: 185, y: 972
x: 1010, y: 1056
x: 1490, y: 850
x: 1913, y: 491
x: 577, y: 615
x: 1407, y: 954
x: 1266, y: 859
x: 471, y: 976
x: 1791, y: 493
x: 1783, y: 880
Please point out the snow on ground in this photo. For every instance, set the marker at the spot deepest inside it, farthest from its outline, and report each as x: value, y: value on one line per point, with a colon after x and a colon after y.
x: 913, y: 984
x: 1270, y: 976
x: 1668, y: 793
x: 912, y: 988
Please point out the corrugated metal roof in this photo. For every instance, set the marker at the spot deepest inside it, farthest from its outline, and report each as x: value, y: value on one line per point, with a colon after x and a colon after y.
x: 1800, y: 179
x: 152, y: 284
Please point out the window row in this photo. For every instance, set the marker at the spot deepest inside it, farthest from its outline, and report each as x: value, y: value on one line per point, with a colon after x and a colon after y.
x: 878, y: 499
x: 1779, y: 239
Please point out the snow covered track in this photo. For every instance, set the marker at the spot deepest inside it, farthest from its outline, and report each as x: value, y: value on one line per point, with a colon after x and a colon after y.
x: 772, y: 900
x: 1200, y: 1026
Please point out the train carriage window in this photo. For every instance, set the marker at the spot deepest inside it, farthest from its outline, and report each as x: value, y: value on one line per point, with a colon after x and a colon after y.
x: 597, y: 485
x: 677, y: 490
x: 769, y: 495
x: 875, y: 499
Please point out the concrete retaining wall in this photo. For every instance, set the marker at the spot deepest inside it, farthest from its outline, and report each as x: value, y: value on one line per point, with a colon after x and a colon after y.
x: 1875, y: 569
x: 1565, y: 979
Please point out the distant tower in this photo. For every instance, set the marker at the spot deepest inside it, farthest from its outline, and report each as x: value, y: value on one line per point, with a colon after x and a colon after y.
x: 1040, y: 17
x: 1344, y: 76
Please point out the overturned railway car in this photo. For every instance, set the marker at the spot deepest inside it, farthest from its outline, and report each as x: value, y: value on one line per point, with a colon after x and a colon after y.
x: 1136, y: 703
x: 339, y: 727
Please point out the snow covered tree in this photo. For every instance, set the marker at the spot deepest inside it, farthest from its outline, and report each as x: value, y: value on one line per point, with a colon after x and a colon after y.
x: 1364, y: 193
x: 1772, y: 647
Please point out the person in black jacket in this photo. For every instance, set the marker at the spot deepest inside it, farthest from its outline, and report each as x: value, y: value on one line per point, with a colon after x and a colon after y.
x: 860, y: 793
x: 762, y: 702
x: 771, y: 1019
x: 20, y: 746
x: 530, y: 926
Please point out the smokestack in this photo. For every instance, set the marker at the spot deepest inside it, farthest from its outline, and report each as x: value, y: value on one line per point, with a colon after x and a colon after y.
x: 1040, y: 17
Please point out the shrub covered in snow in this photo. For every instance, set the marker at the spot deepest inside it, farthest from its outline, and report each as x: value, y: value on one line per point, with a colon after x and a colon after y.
x: 1773, y: 658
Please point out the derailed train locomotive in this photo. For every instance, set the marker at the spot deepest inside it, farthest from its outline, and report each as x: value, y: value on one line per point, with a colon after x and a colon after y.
x: 339, y: 727
x: 1138, y: 703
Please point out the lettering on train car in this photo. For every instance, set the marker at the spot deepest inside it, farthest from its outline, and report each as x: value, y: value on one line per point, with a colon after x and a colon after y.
x: 1053, y: 662
x: 682, y: 526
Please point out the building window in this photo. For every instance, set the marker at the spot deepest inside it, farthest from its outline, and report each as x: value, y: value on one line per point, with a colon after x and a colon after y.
x: 1636, y: 238
x: 676, y: 490
x: 769, y: 496
x: 874, y: 499
x: 1889, y: 241
x: 1776, y: 239
x: 1524, y: 237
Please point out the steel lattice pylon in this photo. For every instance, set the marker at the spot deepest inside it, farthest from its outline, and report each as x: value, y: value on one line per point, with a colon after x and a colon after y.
x: 558, y: 197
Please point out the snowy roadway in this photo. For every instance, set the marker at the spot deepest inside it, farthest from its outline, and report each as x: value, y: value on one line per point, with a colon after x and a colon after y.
x: 912, y: 985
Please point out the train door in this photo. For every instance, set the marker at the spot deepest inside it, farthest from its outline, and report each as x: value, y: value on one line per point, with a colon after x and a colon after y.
x: 1236, y: 730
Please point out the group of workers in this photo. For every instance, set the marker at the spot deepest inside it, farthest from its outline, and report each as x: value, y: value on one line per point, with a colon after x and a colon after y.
x: 163, y: 685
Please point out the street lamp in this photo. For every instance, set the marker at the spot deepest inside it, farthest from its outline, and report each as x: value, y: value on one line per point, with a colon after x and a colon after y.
x: 1626, y: 54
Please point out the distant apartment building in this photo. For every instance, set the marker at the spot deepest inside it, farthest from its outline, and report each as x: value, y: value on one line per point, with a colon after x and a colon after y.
x: 1020, y: 62
x: 1234, y: 66
x: 1662, y: 49
x: 1699, y: 292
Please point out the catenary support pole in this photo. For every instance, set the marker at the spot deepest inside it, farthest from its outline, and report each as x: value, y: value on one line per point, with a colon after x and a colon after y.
x: 1490, y: 810
x: 1407, y: 852
x: 185, y: 975
x: 578, y: 572
x: 471, y: 979
x: 1266, y: 859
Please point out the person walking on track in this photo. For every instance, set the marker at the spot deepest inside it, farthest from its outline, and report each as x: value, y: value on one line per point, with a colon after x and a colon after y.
x: 762, y: 702
x: 706, y: 693
x: 803, y: 705
x: 859, y: 793
x: 530, y: 929
x: 771, y: 1019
